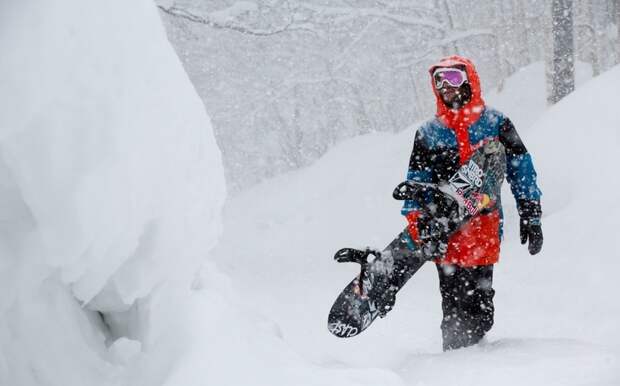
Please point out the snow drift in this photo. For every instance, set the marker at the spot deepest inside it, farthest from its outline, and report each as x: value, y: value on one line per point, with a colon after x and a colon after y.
x: 110, y: 187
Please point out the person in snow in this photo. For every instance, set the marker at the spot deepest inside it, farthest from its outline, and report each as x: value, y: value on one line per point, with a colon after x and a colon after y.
x: 440, y: 147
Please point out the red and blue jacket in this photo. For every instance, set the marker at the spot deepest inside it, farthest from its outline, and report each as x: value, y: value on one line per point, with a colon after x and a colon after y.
x: 444, y: 143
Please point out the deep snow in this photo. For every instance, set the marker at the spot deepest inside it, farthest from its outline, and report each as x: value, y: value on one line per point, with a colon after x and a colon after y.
x: 110, y: 191
x: 111, y: 186
x: 557, y: 312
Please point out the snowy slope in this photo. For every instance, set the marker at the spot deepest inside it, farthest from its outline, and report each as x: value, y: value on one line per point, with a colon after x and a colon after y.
x: 523, y: 96
x: 556, y: 317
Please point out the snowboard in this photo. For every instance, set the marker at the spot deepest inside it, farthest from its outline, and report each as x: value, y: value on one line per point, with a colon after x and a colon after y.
x: 473, y: 189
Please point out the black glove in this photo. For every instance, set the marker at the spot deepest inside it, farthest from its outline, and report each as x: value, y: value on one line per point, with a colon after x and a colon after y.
x: 530, y: 227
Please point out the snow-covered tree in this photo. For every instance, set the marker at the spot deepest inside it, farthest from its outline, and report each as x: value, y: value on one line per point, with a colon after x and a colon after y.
x: 284, y: 80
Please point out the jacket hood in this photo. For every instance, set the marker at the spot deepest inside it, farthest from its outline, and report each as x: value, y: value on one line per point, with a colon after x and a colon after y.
x: 472, y: 77
x: 460, y: 119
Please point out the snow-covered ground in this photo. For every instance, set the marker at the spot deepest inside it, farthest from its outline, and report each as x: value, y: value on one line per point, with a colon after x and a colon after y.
x: 557, y: 313
x: 110, y: 190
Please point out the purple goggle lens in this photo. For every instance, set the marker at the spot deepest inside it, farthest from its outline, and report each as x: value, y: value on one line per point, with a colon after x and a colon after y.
x: 453, y: 76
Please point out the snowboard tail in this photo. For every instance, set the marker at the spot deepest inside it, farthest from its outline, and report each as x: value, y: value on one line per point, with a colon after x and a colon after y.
x: 373, y: 292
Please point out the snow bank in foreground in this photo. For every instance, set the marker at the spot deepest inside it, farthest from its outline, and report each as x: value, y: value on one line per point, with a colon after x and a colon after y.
x: 110, y: 187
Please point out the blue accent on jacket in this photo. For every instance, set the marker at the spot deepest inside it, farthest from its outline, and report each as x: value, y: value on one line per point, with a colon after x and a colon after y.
x: 435, y: 156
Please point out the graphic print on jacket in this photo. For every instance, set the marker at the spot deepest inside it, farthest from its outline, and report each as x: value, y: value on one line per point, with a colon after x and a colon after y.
x: 443, y: 144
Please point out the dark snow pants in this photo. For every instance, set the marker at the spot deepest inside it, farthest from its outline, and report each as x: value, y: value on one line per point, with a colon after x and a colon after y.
x: 467, y: 302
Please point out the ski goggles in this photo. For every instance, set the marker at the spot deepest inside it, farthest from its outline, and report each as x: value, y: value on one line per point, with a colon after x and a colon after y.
x: 453, y: 76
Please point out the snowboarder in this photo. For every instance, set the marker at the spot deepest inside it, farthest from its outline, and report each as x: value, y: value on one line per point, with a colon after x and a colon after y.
x: 463, y: 123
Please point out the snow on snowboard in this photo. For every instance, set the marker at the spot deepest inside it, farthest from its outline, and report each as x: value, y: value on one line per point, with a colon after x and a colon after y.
x: 475, y: 187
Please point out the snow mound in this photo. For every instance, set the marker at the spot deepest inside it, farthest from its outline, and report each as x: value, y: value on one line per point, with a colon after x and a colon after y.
x: 111, y: 185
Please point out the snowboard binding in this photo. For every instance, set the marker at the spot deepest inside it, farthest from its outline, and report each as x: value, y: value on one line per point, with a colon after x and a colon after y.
x: 383, y: 291
x: 363, y: 258
x: 352, y: 255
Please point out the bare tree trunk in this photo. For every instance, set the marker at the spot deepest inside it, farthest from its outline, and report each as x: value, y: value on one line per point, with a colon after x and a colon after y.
x: 524, y: 45
x: 418, y: 113
x: 563, y: 67
x: 498, y: 21
x: 451, y: 24
x: 617, y: 4
x: 594, y: 43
